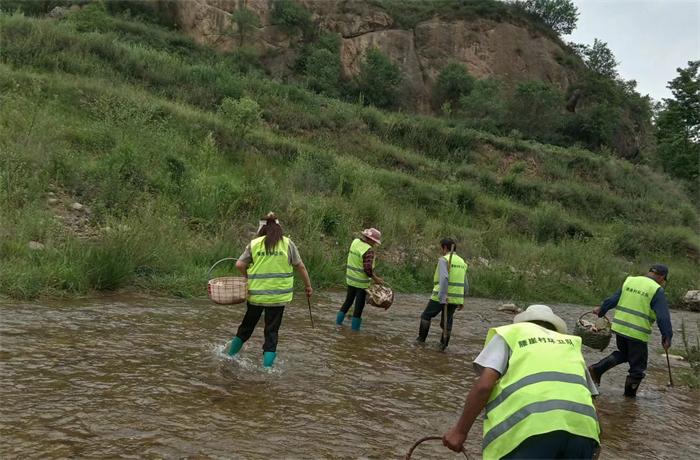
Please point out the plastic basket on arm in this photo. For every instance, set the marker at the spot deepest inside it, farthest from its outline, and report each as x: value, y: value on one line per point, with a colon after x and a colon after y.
x: 227, y: 290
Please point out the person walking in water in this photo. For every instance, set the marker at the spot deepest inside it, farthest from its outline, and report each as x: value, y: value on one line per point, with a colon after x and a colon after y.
x: 268, y: 262
x: 358, y: 273
x: 450, y: 287
x: 639, y: 303
x: 536, y: 390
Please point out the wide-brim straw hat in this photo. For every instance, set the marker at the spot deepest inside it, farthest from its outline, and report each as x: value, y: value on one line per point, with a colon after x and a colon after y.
x: 373, y: 234
x: 541, y: 313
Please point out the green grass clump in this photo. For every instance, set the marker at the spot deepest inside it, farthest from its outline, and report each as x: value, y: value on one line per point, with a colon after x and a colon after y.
x: 176, y: 152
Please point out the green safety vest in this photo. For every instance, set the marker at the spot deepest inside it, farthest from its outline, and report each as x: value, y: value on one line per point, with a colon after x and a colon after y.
x: 633, y: 314
x: 455, y: 284
x: 543, y: 390
x: 270, y: 275
x: 354, y: 271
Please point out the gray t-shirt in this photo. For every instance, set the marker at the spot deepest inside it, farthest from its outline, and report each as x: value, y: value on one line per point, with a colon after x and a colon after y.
x: 496, y: 355
x: 293, y: 253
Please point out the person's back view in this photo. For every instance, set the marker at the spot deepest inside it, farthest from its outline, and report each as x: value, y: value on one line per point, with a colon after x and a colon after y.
x: 638, y: 304
x: 535, y: 390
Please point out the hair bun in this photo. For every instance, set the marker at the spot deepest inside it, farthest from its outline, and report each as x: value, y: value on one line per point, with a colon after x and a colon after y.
x: 271, y: 216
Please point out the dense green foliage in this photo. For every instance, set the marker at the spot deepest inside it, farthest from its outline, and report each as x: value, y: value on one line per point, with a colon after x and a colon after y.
x: 678, y: 127
x: 378, y: 80
x: 292, y: 16
x: 599, y: 58
x: 453, y: 83
x: 560, y: 15
x: 176, y: 152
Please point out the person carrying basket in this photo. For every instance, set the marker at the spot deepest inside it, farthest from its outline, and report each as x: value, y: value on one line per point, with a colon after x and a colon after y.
x: 268, y: 262
x: 359, y: 271
x: 638, y: 304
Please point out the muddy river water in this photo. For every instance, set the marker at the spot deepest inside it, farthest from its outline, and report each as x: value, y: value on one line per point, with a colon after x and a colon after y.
x: 146, y: 378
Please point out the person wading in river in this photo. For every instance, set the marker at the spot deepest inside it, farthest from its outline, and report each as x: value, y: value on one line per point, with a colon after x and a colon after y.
x: 450, y: 287
x: 268, y: 263
x: 359, y: 271
x: 536, y: 390
x: 639, y: 303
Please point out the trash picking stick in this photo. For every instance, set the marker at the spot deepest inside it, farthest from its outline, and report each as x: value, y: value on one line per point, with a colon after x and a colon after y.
x: 670, y: 377
x: 446, y: 334
x: 308, y: 301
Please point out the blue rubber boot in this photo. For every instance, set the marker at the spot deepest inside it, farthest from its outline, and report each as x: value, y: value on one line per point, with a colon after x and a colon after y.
x: 269, y: 358
x: 234, y: 346
x: 339, y: 318
x: 356, y: 323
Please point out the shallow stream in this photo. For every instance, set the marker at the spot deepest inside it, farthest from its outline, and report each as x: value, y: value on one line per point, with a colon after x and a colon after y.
x: 146, y: 378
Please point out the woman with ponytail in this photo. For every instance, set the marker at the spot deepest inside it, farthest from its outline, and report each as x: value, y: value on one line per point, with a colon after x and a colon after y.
x: 268, y: 262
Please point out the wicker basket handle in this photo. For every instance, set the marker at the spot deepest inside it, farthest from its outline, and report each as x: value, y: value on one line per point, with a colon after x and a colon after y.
x: 596, y: 315
x: 217, y: 263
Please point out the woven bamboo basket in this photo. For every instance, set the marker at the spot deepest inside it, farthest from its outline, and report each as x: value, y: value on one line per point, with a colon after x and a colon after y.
x: 595, y: 334
x: 227, y: 290
x: 380, y: 295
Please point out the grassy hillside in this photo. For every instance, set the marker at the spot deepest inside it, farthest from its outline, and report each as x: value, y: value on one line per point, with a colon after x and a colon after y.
x: 176, y: 152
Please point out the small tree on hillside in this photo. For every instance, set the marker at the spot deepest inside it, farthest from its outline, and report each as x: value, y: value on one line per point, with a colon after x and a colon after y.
x: 536, y: 110
x: 452, y: 83
x: 322, y: 70
x: 485, y: 106
x: 246, y: 23
x: 678, y: 125
x: 379, y: 79
x: 601, y: 60
x: 292, y: 16
x: 560, y: 15
x: 243, y: 115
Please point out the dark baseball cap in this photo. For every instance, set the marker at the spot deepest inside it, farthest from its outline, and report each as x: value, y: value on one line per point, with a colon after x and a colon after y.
x: 660, y: 269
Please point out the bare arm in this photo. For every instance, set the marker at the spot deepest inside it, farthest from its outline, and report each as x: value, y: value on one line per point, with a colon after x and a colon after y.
x: 301, y: 268
x: 242, y: 267
x: 476, y: 401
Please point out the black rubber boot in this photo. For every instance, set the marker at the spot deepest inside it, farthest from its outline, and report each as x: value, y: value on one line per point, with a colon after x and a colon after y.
x: 598, y: 369
x: 423, y: 330
x: 631, y: 386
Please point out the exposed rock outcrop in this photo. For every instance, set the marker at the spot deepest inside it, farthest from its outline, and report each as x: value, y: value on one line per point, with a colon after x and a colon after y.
x: 511, y: 52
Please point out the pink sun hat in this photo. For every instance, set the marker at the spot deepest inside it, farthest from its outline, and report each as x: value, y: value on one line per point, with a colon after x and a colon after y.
x: 373, y: 234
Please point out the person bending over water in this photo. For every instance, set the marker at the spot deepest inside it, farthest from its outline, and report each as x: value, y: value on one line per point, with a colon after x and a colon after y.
x: 536, y: 392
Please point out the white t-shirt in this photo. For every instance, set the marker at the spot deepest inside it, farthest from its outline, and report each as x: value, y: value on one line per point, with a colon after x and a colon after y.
x: 496, y: 355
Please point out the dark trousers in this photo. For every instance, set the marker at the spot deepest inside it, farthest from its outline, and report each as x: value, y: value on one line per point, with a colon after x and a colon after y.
x: 431, y: 311
x: 555, y: 444
x: 359, y: 296
x: 273, y: 321
x: 634, y: 352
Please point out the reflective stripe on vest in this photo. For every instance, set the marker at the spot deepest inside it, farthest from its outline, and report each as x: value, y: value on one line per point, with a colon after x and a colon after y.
x: 633, y: 314
x: 455, y: 284
x: 354, y: 270
x: 544, y: 389
x: 270, y: 276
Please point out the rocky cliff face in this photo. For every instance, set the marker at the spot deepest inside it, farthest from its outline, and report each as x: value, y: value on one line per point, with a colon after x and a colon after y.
x: 488, y: 48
